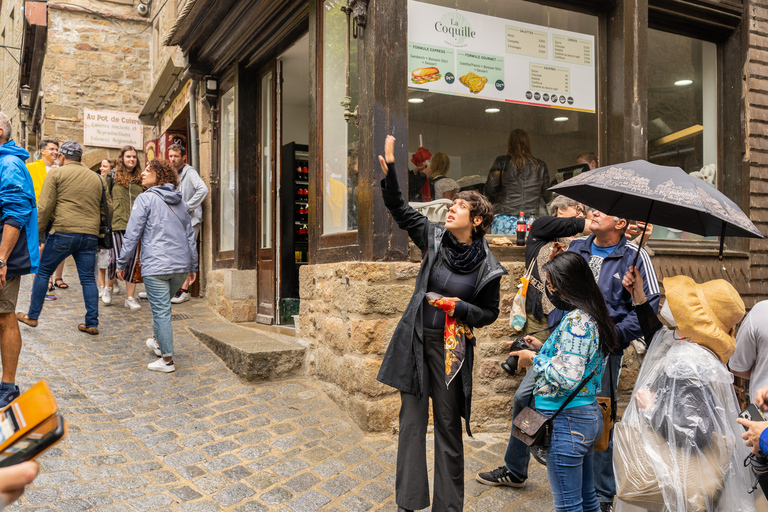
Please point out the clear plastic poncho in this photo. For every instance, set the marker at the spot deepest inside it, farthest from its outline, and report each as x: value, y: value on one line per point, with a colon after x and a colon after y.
x: 678, y: 447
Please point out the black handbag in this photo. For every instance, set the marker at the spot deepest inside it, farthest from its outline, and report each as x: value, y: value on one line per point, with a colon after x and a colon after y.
x: 534, y: 428
x: 105, y: 227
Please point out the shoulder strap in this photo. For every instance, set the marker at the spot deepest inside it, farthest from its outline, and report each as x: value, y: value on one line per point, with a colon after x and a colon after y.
x: 573, y: 394
x: 169, y: 207
x: 104, y: 204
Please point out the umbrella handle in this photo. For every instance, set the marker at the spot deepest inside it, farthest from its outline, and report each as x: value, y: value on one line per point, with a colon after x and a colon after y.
x: 642, y: 237
x: 722, y: 242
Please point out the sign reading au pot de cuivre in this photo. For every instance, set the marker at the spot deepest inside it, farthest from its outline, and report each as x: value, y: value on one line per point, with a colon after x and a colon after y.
x: 111, y: 129
x: 465, y: 53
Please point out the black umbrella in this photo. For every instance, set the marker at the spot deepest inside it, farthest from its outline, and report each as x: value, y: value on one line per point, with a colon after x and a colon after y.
x: 667, y: 196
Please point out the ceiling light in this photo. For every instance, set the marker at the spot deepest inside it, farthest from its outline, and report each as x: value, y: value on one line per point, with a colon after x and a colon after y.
x: 416, y: 100
x: 682, y: 83
x: 492, y: 110
x: 560, y: 119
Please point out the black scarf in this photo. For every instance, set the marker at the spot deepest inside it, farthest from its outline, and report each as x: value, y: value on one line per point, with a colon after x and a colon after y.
x: 459, y: 257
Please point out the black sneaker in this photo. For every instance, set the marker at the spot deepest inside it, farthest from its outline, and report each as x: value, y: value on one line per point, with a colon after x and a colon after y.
x: 500, y: 476
x: 606, y: 506
x: 8, y: 395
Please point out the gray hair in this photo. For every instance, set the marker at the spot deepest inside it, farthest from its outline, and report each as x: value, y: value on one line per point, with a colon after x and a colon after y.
x: 562, y: 203
x: 5, y: 125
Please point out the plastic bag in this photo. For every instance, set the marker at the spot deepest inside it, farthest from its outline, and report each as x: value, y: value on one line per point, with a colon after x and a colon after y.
x: 517, y: 314
x: 678, y: 446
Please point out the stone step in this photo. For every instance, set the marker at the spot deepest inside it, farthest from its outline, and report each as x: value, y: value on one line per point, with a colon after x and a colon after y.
x: 251, y: 354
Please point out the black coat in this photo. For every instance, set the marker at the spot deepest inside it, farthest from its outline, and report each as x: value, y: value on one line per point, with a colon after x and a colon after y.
x: 402, y: 367
x: 513, y: 190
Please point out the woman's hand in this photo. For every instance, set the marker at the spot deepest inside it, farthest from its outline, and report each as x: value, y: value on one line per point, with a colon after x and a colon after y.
x: 525, y: 358
x: 389, y: 154
x: 761, y: 398
x: 14, y: 478
x: 454, y: 300
x: 532, y: 342
x: 645, y: 398
x: 633, y: 282
x: 192, y: 277
x: 119, y: 273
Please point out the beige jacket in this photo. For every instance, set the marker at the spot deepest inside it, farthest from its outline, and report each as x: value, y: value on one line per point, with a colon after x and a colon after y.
x: 71, y: 198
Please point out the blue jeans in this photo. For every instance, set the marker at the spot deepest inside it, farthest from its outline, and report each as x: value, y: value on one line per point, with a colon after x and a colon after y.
x: 518, y: 453
x: 570, y: 457
x: 160, y: 289
x: 58, y: 246
x: 605, y: 482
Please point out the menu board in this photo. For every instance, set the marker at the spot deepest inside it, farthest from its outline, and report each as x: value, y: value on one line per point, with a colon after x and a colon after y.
x: 465, y: 53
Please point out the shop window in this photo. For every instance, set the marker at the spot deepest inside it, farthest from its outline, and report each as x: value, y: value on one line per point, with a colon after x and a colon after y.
x: 682, y: 109
x: 340, y: 137
x: 227, y: 173
x: 476, y: 75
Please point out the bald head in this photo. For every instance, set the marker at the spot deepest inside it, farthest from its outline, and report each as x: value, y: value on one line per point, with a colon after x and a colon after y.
x: 5, y: 128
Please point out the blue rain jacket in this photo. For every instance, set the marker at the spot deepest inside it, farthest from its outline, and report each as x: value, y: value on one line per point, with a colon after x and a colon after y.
x: 18, y: 209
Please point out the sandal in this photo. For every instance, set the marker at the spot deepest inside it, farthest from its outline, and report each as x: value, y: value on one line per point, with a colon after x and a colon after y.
x: 59, y: 283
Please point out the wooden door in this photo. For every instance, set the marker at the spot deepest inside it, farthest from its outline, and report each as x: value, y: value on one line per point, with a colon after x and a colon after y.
x: 267, y: 272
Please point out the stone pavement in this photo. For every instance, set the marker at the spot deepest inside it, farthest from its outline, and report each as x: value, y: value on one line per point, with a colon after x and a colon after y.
x: 200, y: 439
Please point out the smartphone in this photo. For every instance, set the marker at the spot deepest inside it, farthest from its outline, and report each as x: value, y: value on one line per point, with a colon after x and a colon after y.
x: 34, y: 442
x: 752, y: 413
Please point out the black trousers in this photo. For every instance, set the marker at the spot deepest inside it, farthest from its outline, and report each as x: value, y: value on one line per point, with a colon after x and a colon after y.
x: 411, y: 484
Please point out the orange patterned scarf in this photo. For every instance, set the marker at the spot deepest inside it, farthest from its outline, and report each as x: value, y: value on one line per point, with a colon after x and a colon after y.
x: 457, y: 333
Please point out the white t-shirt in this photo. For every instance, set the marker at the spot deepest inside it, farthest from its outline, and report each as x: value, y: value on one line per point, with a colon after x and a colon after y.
x: 752, y: 348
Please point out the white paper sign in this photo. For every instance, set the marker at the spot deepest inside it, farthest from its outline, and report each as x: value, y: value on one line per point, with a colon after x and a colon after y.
x: 464, y: 53
x: 111, y: 129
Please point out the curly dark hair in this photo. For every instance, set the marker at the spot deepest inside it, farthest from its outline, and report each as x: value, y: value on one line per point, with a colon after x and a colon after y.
x: 164, y: 172
x: 478, y: 205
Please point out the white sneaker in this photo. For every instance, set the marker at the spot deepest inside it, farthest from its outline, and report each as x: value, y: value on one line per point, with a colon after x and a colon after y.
x: 162, y: 366
x: 152, y: 344
x: 142, y: 295
x: 101, y: 291
x: 131, y: 302
x: 106, y: 297
x: 116, y: 288
x: 184, y: 297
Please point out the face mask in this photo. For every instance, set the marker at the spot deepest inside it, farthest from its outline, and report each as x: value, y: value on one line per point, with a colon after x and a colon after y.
x: 666, y: 314
x: 558, y: 301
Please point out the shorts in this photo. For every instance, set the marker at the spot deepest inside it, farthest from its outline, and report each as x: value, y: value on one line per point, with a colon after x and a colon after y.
x: 9, y: 294
x: 102, y: 258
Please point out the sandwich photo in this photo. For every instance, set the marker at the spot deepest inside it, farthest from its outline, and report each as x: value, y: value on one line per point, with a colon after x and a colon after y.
x: 474, y: 82
x: 424, y: 75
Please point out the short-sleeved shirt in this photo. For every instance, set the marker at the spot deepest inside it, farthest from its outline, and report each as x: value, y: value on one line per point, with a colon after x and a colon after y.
x: 752, y: 348
x: 444, y: 185
x: 598, y: 255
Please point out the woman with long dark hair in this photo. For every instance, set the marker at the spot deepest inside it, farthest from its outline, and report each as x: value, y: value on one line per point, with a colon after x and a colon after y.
x: 457, y: 289
x: 577, y: 348
x: 517, y: 182
x: 125, y: 188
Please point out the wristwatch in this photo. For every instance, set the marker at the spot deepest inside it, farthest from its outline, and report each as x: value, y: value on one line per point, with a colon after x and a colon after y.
x: 2, y: 263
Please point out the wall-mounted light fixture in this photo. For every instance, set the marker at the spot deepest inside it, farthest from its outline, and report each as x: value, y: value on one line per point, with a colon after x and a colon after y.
x: 211, y: 91
x: 25, y: 97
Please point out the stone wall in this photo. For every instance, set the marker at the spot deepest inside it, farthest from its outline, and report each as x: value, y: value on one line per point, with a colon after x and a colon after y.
x: 348, y: 314
x: 93, y: 61
x: 12, y: 26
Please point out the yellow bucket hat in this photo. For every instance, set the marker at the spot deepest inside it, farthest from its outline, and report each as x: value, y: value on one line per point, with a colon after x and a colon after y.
x: 706, y: 313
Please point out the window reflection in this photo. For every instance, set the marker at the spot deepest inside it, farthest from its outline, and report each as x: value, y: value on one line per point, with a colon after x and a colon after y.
x: 227, y: 173
x: 682, y: 109
x: 340, y: 159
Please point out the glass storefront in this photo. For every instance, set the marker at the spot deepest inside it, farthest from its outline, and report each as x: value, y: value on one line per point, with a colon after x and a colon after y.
x: 535, y: 71
x: 227, y: 172
x: 339, y: 156
x: 682, y: 109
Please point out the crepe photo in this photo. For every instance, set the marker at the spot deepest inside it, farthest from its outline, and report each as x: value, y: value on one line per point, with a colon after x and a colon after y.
x: 475, y: 82
x: 424, y: 75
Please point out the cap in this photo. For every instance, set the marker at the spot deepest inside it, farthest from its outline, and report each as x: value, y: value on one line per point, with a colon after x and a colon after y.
x: 71, y: 148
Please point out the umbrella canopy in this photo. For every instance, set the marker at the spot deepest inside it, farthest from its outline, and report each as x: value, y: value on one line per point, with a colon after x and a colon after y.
x: 667, y: 196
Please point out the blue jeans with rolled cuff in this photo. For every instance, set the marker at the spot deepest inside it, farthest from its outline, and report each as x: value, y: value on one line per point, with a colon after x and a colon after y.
x: 570, y: 458
x: 159, y: 290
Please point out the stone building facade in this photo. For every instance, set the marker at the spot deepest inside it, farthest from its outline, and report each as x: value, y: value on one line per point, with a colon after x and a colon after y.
x: 98, y: 57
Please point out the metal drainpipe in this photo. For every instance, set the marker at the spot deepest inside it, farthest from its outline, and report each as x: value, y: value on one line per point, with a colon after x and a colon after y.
x: 194, y: 151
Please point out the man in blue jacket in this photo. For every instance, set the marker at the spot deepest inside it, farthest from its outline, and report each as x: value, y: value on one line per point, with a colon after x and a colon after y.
x: 609, y: 254
x: 19, y: 253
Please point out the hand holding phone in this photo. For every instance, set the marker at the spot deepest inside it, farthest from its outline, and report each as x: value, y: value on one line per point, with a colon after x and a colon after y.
x: 751, y: 413
x: 14, y: 479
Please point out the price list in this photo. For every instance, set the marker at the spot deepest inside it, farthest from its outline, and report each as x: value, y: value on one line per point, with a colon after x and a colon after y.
x: 524, y: 41
x: 550, y: 78
x: 571, y: 50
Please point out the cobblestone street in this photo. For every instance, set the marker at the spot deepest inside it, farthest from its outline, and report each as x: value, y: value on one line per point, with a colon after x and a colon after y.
x: 200, y: 439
